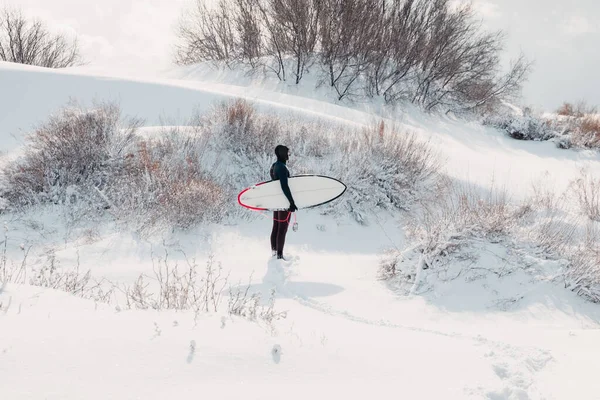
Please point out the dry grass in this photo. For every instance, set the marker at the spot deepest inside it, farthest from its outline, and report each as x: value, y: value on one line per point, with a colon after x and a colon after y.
x: 50, y: 274
x: 461, y: 214
x: 587, y: 132
x: 586, y: 190
x: 172, y: 287
x: 582, y: 122
x: 583, y: 275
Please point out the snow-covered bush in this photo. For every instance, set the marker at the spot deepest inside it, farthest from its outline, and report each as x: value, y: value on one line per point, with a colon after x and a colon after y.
x: 385, y: 168
x: 452, y: 221
x: 448, y: 232
x: 94, y: 165
x: 572, y: 126
x: 74, y: 151
x: 464, y: 212
x: 522, y: 125
x: 92, y: 162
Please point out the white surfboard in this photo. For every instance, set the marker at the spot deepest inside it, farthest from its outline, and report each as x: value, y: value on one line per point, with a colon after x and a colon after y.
x: 307, y: 190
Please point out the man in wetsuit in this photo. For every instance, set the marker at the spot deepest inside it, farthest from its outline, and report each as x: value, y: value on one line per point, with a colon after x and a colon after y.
x: 281, y: 219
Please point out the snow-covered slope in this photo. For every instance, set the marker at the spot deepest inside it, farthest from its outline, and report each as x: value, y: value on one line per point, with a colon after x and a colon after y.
x: 473, y: 153
x: 510, y: 333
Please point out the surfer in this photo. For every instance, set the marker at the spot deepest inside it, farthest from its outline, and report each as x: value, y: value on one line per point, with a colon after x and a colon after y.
x: 281, y: 219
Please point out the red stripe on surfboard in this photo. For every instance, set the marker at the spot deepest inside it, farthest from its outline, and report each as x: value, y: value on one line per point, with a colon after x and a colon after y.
x: 250, y: 207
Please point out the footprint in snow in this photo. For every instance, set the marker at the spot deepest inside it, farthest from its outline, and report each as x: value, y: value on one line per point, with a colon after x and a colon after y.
x: 508, y: 394
x: 276, y: 353
x: 501, y: 371
x: 192, y: 351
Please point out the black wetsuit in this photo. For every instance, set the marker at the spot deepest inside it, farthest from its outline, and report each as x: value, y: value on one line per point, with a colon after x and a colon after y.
x: 281, y: 219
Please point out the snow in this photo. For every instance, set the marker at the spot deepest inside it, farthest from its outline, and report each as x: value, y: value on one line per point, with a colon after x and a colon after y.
x: 346, y: 334
x: 510, y: 332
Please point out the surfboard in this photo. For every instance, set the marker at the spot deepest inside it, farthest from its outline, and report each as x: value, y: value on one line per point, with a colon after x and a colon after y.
x: 307, y: 190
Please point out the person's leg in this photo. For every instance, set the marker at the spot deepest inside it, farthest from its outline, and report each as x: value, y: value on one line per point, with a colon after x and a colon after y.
x: 274, y: 232
x: 281, y: 232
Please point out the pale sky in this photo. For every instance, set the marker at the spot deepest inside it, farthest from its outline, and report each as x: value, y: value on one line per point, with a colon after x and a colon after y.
x: 562, y: 37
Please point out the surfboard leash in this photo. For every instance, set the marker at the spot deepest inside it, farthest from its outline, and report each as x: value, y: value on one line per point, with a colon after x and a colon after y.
x: 294, y: 225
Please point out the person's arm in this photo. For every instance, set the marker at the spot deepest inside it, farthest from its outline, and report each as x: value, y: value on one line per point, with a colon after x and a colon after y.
x: 283, y: 179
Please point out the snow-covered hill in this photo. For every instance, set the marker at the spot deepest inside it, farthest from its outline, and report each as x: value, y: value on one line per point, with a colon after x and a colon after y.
x: 504, y: 329
x: 474, y: 153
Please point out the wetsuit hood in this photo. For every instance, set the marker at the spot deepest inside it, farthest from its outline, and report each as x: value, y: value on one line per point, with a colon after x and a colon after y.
x: 282, y: 153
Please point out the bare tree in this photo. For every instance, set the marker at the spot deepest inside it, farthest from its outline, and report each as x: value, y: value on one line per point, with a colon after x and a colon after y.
x: 485, y: 95
x: 297, y: 30
x: 400, y: 43
x: 348, y: 37
x: 427, y: 52
x: 249, y: 31
x: 207, y: 34
x: 28, y: 41
x: 458, y: 67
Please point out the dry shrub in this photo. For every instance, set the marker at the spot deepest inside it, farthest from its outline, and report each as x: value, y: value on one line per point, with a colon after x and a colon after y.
x: 566, y: 110
x: 550, y: 227
x: 239, y: 112
x: 554, y: 232
x: 404, y: 156
x: 50, y: 274
x: 580, y: 123
x: 244, y: 131
x: 165, y: 183
x: 578, y: 110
